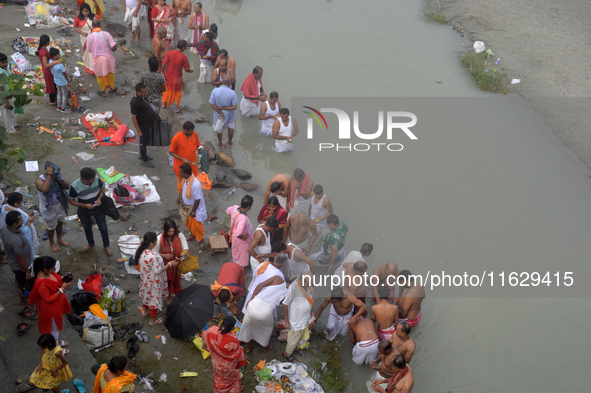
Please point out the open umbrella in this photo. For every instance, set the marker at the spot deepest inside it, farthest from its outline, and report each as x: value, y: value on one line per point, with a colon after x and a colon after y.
x: 189, y: 311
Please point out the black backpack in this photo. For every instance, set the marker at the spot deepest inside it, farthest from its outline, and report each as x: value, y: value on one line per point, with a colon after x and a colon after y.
x: 81, y: 301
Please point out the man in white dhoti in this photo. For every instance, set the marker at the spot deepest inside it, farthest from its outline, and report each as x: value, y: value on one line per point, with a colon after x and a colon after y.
x: 182, y: 21
x: 253, y: 90
x: 297, y: 263
x: 284, y: 130
x: 363, y: 334
x: 267, y: 290
x: 341, y: 312
x: 134, y: 12
x: 320, y: 209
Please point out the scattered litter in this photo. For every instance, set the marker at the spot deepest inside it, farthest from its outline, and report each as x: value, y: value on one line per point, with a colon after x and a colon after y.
x: 515, y: 81
x: 77, y: 72
x: 17, y: 29
x: 67, y: 251
x: 147, y: 381
x: 188, y: 374
x: 498, y: 60
x: 27, y: 25
x: 71, y: 218
x: 84, y: 98
x: 77, y: 50
x: 155, y: 178
x: 163, y: 338
x: 132, y: 152
x: 32, y: 166
x: 479, y: 47
x: 85, y: 156
x: 81, y: 134
x: 37, y: 118
x: 5, y: 337
x: 162, y: 378
x: 158, y: 355
x: 175, y: 358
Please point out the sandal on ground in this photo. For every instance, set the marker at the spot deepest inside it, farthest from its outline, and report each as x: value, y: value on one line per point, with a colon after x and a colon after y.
x: 145, y: 337
x: 181, y: 108
x: 62, y: 343
x: 31, y: 315
x: 289, y: 358
x: 65, y: 351
x: 133, y: 351
x: 156, y: 322
x: 100, y: 93
x: 131, y: 342
x: 22, y: 378
x: 142, y: 310
x: 139, y: 335
x: 24, y: 387
x: 300, y: 352
x: 23, y: 327
x: 79, y: 385
x: 203, y: 247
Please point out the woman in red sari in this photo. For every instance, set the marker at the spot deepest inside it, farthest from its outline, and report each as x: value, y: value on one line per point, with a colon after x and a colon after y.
x: 48, y: 296
x: 227, y: 356
x: 274, y: 209
x: 171, y: 244
x: 163, y: 14
x: 44, y: 57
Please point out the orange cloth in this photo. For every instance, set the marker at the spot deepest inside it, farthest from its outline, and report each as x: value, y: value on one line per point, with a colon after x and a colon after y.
x: 189, y: 187
x: 218, y: 287
x: 262, y: 268
x: 186, y: 148
x: 308, y: 297
x: 116, y: 383
x: 196, y: 228
x: 169, y: 97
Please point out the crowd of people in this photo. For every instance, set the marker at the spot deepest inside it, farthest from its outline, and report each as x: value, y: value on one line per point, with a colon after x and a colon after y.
x: 296, y: 216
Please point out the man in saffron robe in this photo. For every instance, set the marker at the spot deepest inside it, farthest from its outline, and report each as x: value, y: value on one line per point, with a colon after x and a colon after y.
x: 101, y: 44
x: 173, y: 65
x: 192, y: 205
x: 183, y: 148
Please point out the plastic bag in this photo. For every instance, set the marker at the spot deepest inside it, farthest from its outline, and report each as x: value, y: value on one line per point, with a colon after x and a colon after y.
x: 113, y: 299
x: 20, y: 45
x: 94, y: 283
x: 264, y: 374
x: 198, y: 341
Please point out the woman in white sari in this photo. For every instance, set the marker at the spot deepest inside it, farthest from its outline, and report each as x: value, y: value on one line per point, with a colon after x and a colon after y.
x: 83, y: 26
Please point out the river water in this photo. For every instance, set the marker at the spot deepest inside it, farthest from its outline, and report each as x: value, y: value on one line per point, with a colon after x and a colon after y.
x: 487, y: 190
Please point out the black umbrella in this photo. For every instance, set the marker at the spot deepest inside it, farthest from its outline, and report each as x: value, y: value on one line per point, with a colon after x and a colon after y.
x: 189, y: 311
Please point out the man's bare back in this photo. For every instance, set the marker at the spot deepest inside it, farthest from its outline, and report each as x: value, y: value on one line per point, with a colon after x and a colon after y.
x: 385, y: 314
x: 383, y: 271
x: 409, y: 305
x: 386, y: 367
x: 300, y: 225
x: 362, y: 330
x: 285, y: 182
x: 405, y: 348
x: 159, y: 48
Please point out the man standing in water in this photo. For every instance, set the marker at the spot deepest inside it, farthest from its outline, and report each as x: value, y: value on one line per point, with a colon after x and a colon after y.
x: 252, y: 87
x: 182, y: 21
x: 280, y: 186
x: 269, y: 113
x: 384, y: 271
x: 363, y: 334
x: 402, y: 341
x: 208, y: 51
x: 409, y: 302
x: 385, y: 314
x: 353, y: 274
x: 223, y: 100
x: 383, y: 363
x: 284, y: 130
x: 341, y: 312
x: 301, y: 231
x: 231, y: 65
x: 301, y: 189
x: 219, y: 73
x: 333, y: 247
x: 320, y: 209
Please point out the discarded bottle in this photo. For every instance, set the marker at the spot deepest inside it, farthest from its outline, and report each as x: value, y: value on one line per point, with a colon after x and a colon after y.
x: 231, y: 192
x: 170, y: 159
x: 497, y: 62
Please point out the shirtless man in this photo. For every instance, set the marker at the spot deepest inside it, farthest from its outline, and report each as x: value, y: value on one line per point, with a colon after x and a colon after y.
x: 297, y: 263
x: 363, y: 334
x: 341, y: 312
x: 383, y: 272
x: 231, y: 65
x: 280, y: 186
x: 302, y: 191
x: 385, y: 314
x: 384, y: 363
x: 159, y: 46
x: 409, y: 302
x: 182, y: 22
x: 403, y: 381
x: 219, y: 73
x: 301, y: 230
x: 348, y: 273
x: 402, y: 341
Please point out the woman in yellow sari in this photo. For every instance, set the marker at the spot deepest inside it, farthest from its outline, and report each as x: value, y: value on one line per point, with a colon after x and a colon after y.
x: 97, y: 7
x: 113, y: 378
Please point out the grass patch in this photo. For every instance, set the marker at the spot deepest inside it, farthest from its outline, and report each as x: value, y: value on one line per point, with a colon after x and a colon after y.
x: 482, y: 68
x: 332, y: 379
x: 438, y: 18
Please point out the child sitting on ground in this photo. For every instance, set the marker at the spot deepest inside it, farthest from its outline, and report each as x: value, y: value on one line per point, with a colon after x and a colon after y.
x: 60, y: 77
x: 53, y: 369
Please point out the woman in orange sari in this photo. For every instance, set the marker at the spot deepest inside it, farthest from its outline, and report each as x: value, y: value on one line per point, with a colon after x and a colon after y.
x: 112, y: 377
x: 274, y: 209
x: 227, y: 356
x: 163, y: 15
